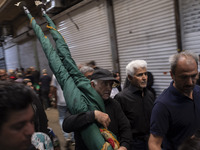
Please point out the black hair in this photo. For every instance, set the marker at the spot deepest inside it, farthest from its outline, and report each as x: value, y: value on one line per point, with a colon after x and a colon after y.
x: 115, y: 73
x: 190, y: 144
x: 92, y: 62
x: 13, y: 97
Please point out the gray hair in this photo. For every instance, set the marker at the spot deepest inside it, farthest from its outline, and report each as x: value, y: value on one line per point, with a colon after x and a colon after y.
x: 173, y: 59
x: 130, y: 68
x: 86, y: 69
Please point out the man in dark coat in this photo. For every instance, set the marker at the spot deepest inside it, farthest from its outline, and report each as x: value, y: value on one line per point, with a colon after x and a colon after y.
x: 114, y: 118
x: 137, y: 102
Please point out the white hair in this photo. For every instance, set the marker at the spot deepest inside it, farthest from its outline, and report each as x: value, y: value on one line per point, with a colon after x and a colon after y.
x: 86, y: 69
x: 135, y: 64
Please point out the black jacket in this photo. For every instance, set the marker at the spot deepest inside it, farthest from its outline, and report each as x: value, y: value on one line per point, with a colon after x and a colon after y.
x: 119, y: 125
x: 137, y: 109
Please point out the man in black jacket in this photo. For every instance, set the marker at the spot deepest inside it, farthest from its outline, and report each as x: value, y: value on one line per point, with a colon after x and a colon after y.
x: 137, y: 102
x: 114, y: 118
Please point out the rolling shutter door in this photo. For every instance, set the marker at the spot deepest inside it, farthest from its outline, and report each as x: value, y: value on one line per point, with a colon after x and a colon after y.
x: 190, y: 23
x: 11, y: 56
x: 146, y: 30
x: 86, y: 33
x: 2, y: 59
x: 31, y: 54
x: 27, y: 56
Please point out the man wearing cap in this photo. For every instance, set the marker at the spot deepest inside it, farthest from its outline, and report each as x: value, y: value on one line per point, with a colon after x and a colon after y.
x: 114, y: 118
x: 137, y: 102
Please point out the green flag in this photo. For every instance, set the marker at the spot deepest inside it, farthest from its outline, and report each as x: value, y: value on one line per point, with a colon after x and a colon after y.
x: 78, y: 93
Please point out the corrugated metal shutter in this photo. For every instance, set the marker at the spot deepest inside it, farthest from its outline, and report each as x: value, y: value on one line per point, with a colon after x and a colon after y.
x: 146, y: 30
x: 2, y: 59
x: 11, y: 56
x: 27, y: 55
x: 190, y: 23
x: 86, y: 33
x: 31, y: 54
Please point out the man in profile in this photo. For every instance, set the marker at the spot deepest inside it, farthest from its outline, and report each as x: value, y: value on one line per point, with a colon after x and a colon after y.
x: 137, y: 102
x: 17, y: 116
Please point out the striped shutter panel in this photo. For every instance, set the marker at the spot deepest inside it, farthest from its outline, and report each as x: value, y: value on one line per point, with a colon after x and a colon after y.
x: 86, y: 33
x: 2, y: 59
x: 27, y: 56
x: 190, y: 23
x: 11, y: 54
x: 146, y: 30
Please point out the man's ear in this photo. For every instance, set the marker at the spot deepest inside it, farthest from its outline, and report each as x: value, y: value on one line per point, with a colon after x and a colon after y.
x: 130, y: 77
x: 92, y: 84
x: 171, y: 74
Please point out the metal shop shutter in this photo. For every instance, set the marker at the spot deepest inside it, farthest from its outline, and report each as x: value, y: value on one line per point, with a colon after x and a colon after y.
x: 27, y: 54
x: 146, y: 30
x: 86, y: 33
x: 31, y: 54
x: 11, y: 56
x: 2, y: 59
x: 190, y: 23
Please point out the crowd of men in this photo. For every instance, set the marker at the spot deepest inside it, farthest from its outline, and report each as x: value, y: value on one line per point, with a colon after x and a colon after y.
x: 171, y: 122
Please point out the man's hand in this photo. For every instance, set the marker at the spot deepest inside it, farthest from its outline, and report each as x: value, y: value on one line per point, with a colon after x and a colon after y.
x: 122, y: 148
x: 102, y: 118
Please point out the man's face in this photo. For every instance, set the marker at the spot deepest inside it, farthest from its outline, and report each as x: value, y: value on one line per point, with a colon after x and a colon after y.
x: 104, y: 88
x: 139, y: 79
x: 17, y: 131
x: 186, y: 75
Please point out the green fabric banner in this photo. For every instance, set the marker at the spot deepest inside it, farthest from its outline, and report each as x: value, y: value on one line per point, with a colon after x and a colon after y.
x: 78, y: 93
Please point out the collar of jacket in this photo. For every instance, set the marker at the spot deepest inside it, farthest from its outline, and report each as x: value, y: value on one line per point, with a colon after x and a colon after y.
x: 135, y: 89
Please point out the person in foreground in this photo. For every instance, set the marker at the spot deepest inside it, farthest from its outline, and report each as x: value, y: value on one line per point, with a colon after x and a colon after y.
x: 17, y: 116
x: 175, y: 115
x: 114, y: 118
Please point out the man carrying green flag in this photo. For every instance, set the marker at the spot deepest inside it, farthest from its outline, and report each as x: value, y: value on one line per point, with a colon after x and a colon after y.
x: 75, y: 86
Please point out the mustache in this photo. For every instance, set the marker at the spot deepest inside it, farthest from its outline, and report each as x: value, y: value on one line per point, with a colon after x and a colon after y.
x: 144, y: 82
x: 189, y: 86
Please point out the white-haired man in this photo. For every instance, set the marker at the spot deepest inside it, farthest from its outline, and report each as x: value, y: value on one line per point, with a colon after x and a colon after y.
x: 137, y: 102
